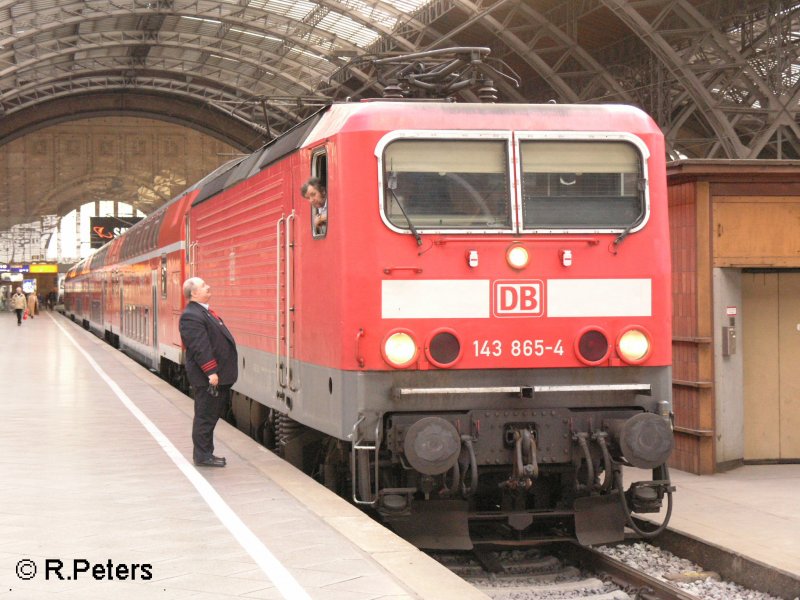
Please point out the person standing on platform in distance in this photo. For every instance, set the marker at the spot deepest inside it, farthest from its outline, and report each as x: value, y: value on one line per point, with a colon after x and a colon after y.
x: 18, y: 304
x: 33, y: 303
x: 212, y: 365
x: 313, y: 191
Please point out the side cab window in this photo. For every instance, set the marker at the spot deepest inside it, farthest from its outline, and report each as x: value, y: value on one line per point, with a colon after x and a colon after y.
x: 319, y: 169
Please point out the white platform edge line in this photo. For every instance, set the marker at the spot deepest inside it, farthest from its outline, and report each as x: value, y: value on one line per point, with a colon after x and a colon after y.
x: 271, y: 566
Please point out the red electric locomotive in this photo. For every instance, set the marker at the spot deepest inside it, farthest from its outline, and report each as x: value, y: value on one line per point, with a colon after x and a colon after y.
x: 481, y: 333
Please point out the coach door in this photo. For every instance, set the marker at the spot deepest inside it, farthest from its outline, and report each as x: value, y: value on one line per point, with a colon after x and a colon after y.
x: 122, y: 313
x: 104, y: 304
x: 155, y: 287
x: 284, y: 326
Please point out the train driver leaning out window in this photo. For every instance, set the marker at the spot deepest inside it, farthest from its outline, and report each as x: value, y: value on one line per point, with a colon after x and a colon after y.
x: 314, y: 191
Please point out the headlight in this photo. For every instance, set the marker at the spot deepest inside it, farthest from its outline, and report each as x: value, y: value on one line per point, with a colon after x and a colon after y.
x: 633, y: 345
x: 400, y: 349
x: 517, y: 256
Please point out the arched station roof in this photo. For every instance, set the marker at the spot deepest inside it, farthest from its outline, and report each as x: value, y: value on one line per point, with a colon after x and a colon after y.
x: 719, y: 76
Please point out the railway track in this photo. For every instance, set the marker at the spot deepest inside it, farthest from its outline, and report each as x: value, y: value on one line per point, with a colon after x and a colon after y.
x: 562, y: 572
x: 637, y: 571
x: 646, y: 587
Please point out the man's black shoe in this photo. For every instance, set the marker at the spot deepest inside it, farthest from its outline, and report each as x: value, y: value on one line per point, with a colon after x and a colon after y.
x: 222, y: 458
x: 211, y: 462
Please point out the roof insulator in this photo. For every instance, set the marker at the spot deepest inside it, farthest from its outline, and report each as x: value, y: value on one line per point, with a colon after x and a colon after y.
x: 393, y: 90
x: 487, y: 92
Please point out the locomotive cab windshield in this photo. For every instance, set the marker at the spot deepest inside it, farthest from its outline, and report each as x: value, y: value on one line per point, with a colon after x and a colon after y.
x: 466, y: 185
x: 603, y: 187
x: 447, y: 184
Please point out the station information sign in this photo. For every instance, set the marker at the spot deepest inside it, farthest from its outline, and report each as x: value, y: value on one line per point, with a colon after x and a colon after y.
x: 28, y: 268
x: 14, y: 268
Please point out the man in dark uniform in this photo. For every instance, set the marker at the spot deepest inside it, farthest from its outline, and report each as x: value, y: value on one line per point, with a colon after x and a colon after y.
x: 212, y: 366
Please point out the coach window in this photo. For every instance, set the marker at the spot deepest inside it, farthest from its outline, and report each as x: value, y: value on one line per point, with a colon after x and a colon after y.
x: 438, y: 184
x: 319, y: 169
x: 581, y: 185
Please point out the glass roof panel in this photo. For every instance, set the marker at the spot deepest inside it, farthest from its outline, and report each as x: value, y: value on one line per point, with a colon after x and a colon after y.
x: 347, y: 28
x: 327, y: 19
x: 298, y: 9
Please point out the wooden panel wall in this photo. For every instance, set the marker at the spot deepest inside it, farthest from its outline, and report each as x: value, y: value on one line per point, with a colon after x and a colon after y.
x: 754, y: 231
x: 722, y: 214
x: 693, y: 397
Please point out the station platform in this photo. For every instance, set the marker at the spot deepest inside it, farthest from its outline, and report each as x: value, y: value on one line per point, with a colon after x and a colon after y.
x: 751, y: 511
x: 99, y: 497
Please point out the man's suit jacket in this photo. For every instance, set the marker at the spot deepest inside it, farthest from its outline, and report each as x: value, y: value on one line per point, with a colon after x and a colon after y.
x: 210, y: 347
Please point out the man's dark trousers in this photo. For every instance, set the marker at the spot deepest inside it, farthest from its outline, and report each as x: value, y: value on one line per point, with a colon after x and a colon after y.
x: 207, y: 410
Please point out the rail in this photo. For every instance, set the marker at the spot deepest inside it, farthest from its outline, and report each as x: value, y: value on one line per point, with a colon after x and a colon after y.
x: 283, y: 344
x: 649, y: 588
x: 360, y: 448
x: 524, y: 391
x: 289, y: 308
x: 278, y: 304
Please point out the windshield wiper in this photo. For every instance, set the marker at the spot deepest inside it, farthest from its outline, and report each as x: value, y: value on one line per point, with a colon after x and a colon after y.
x: 621, y: 237
x: 405, y: 214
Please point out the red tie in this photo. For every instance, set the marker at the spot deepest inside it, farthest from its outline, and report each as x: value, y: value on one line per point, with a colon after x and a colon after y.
x: 213, y: 314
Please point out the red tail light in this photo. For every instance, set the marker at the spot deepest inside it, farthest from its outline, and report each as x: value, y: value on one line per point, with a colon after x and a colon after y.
x: 592, y: 346
x: 444, y: 348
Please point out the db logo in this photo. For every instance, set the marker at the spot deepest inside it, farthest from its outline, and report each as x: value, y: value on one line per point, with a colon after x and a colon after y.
x: 518, y: 298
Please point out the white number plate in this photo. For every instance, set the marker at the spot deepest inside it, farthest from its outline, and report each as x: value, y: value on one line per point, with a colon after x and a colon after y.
x: 517, y: 348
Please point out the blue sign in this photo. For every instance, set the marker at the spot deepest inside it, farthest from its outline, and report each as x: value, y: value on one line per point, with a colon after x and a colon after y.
x: 6, y: 268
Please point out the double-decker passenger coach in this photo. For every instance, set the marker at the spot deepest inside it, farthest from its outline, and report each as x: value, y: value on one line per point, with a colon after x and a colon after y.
x: 481, y: 332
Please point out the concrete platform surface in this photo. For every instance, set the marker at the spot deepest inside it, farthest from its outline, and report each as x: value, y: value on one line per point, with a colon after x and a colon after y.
x: 99, y: 498
x: 753, y: 510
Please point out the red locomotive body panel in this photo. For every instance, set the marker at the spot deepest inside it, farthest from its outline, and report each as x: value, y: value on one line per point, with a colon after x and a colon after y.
x: 342, y: 276
x: 338, y: 287
x: 235, y: 237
